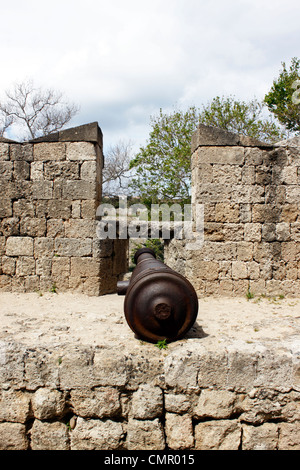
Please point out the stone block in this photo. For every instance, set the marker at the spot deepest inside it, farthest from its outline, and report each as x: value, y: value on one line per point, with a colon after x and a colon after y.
x: 49, y: 436
x: 49, y: 151
x: 13, y: 436
x: 19, y: 246
x: 227, y: 174
x: 254, y: 156
x: 73, y: 247
x: 90, y: 171
x: 89, y: 208
x: 94, y: 434
x: 264, y: 437
x: 81, y: 151
x: 42, y: 189
x: 37, y: 171
x: 23, y: 208
x: 289, y: 438
x: 147, y: 402
x: 221, y: 156
x: 218, y: 435
x: 55, y: 228
x: 25, y: 266
x: 209, y: 135
x: 61, y: 170
x: 102, y: 402
x: 179, y: 431
x: 289, y: 213
x: 4, y: 152
x: 8, y: 265
x: 14, y: 406
x: 5, y: 208
x: 216, y: 404
x: 177, y: 403
x: 85, y: 267
x: 43, y: 247
x: 6, y: 169
x: 145, y: 435
x: 79, y: 190
x: 33, y: 227
x: 21, y: 152
x: 48, y: 404
x: 252, y: 232
x: 283, y: 233
x: 21, y: 170
x: 227, y: 213
x: 208, y: 270
x: 80, y: 228
x: 61, y: 267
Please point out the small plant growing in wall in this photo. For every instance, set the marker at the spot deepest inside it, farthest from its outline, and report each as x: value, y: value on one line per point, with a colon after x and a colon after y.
x: 53, y: 288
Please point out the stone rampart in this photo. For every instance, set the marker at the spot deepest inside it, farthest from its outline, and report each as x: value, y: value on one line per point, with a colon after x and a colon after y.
x: 50, y: 189
x: 87, y: 383
x: 251, y: 197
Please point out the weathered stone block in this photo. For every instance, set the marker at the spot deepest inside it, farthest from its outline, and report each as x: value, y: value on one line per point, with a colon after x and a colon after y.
x: 4, y: 151
x: 264, y: 437
x: 48, y: 404
x: 179, y: 431
x: 49, y: 436
x: 49, y: 151
x: 79, y: 190
x: 13, y: 436
x: 289, y: 438
x: 73, y: 247
x: 6, y: 169
x: 33, y: 227
x: 21, y: 170
x: 227, y: 213
x: 85, y: 267
x: 19, y: 246
x: 36, y: 171
x: 145, y: 435
x: 239, y: 270
x: 217, y: 404
x: 61, y: 170
x: 252, y: 232
x: 80, y: 228
x: 43, y: 247
x: 81, y: 151
x: 218, y: 434
x: 102, y: 402
x: 93, y: 434
x: 25, y: 266
x: 21, y: 152
x: 147, y: 402
x: 14, y: 406
x: 5, y: 208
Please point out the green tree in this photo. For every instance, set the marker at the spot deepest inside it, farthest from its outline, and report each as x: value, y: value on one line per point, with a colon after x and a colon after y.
x: 246, y: 118
x: 280, y: 101
x: 162, y: 167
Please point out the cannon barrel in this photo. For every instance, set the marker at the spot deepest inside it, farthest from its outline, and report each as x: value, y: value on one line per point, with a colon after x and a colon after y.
x: 159, y: 302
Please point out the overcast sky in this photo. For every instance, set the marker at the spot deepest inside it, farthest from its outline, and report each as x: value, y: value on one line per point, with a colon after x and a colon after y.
x: 123, y: 60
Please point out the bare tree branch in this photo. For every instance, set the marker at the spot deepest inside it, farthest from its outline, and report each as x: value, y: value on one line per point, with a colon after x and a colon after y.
x: 40, y: 112
x: 116, y: 168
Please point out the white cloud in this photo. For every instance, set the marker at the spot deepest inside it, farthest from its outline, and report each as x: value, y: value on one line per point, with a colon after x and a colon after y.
x: 122, y: 61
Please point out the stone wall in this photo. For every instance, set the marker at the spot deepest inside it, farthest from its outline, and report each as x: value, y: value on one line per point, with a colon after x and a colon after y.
x: 86, y: 398
x: 251, y: 197
x: 49, y: 192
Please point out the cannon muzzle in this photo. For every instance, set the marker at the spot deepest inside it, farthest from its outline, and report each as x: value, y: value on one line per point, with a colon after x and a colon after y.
x: 159, y: 302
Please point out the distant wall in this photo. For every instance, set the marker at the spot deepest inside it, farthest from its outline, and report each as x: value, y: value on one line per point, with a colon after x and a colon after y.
x: 49, y: 192
x: 251, y: 196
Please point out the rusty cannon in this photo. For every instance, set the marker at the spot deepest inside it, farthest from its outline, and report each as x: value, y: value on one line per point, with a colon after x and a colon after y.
x: 160, y: 304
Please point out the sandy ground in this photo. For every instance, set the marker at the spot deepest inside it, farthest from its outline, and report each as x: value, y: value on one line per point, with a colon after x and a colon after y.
x: 51, y: 318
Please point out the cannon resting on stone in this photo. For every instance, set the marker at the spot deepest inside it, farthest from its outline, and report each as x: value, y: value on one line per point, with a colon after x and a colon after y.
x: 160, y: 304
